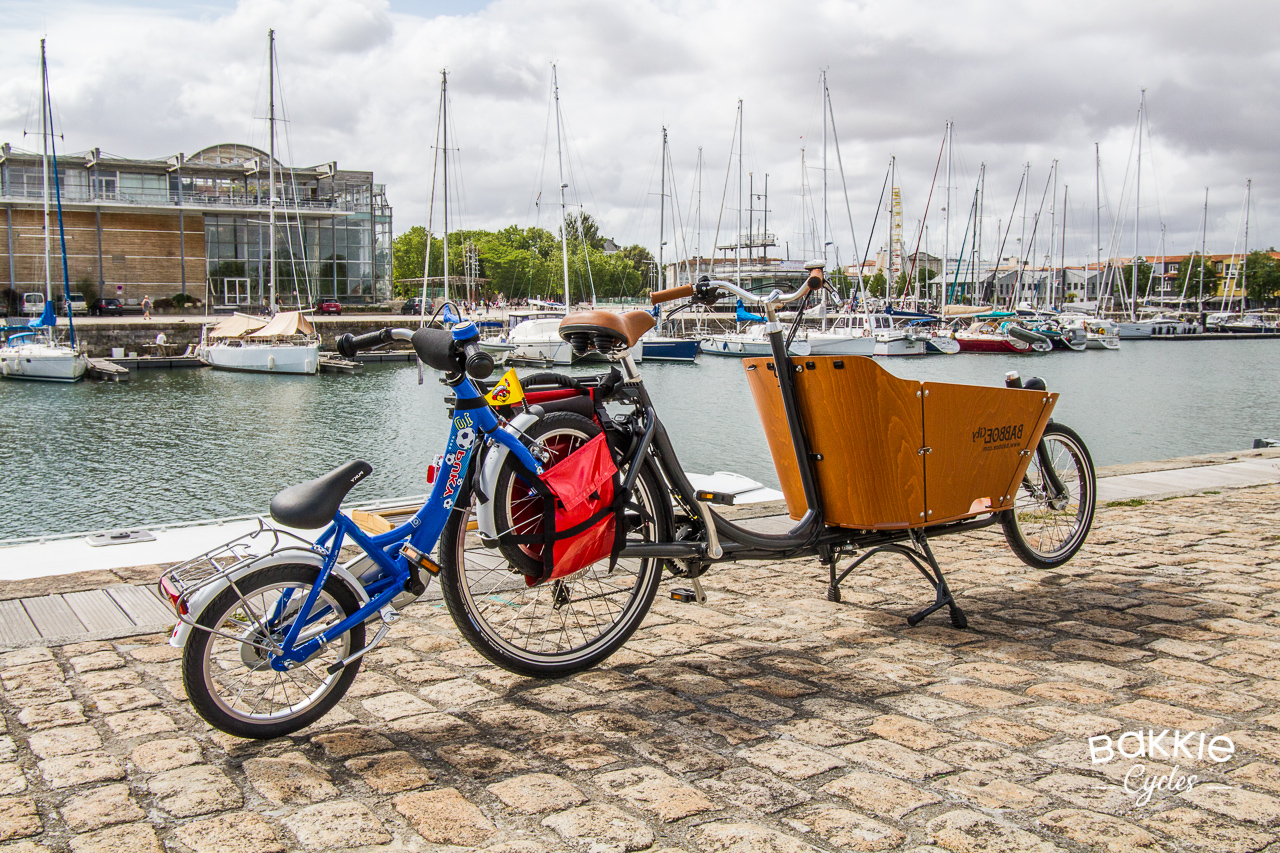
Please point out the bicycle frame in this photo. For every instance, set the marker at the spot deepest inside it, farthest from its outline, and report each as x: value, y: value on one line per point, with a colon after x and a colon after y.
x: 474, y: 426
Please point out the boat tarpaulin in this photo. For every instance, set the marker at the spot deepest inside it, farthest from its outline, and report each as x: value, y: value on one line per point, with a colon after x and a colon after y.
x: 285, y: 324
x: 236, y: 326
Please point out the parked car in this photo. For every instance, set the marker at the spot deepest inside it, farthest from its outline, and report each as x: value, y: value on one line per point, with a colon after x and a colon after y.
x: 78, y: 303
x: 412, y: 306
x: 33, y: 303
x: 329, y: 306
x: 105, y: 306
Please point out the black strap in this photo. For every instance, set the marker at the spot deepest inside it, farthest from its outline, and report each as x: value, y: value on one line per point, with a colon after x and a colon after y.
x: 470, y: 403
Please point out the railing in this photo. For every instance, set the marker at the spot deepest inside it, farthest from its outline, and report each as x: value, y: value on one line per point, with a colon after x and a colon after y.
x: 154, y: 199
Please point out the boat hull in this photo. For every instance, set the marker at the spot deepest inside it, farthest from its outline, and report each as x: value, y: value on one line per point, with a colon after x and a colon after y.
x: 670, y: 349
x: 262, y: 358
x: 941, y: 345
x: 42, y: 364
x: 826, y: 343
x: 991, y: 343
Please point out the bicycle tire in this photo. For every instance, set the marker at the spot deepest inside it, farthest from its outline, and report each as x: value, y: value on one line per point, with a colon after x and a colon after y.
x: 218, y: 669
x: 561, y: 626
x: 1046, y: 533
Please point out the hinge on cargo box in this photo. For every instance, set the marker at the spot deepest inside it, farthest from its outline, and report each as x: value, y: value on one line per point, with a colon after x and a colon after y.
x: 922, y: 451
x: 816, y: 457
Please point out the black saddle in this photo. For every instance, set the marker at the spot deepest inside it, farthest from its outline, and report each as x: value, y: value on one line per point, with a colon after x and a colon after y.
x: 314, y: 503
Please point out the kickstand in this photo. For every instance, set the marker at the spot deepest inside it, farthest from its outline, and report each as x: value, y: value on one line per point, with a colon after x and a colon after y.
x: 921, y: 556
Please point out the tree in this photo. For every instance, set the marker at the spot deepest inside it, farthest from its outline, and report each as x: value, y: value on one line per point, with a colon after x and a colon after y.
x: 1144, y: 278
x: 585, y: 228
x: 1262, y: 276
x: 1188, y: 281
x: 877, y: 283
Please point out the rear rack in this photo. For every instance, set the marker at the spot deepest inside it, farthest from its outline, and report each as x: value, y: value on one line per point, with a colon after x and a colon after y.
x: 180, y: 583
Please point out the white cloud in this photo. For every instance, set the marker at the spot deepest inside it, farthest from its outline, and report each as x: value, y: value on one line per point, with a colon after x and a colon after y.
x: 1028, y: 81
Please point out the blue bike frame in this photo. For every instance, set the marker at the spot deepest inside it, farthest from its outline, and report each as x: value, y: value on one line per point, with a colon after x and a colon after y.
x: 474, y: 423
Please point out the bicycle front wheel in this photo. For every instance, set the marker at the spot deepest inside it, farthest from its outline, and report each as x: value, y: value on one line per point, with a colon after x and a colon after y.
x: 560, y: 626
x: 1046, y: 527
x: 227, y: 662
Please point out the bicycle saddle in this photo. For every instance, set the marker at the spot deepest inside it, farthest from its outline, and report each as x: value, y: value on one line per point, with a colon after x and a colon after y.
x: 605, y: 331
x: 314, y: 503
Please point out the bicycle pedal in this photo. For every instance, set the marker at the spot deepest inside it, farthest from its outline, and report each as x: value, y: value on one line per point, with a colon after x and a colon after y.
x: 684, y: 595
x: 718, y: 498
x: 419, y: 559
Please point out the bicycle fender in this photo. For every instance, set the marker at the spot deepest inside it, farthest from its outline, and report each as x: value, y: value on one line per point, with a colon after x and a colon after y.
x: 496, y: 455
x: 204, y: 596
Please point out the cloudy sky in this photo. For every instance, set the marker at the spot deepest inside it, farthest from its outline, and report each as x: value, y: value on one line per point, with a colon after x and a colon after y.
x: 1029, y: 82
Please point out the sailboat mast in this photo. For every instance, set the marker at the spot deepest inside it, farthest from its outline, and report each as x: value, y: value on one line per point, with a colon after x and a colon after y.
x: 1204, y: 236
x: 826, y: 236
x: 1097, y: 219
x: 564, y: 222
x: 737, y: 244
x: 1053, y: 230
x: 444, y: 151
x: 44, y: 166
x: 662, y: 204
x: 1137, y: 213
x: 946, y: 232
x: 271, y: 168
x: 1244, y: 259
x: 1066, y: 188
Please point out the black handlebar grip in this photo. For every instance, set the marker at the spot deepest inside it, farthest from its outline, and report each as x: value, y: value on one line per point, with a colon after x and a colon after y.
x: 348, y: 344
x: 478, y: 362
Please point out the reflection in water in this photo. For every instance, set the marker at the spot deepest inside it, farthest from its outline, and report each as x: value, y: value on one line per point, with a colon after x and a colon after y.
x: 194, y: 444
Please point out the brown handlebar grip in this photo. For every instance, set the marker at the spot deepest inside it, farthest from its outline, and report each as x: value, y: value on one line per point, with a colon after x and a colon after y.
x: 670, y: 293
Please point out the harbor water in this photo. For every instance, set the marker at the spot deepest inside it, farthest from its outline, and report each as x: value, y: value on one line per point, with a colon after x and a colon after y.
x: 184, y: 445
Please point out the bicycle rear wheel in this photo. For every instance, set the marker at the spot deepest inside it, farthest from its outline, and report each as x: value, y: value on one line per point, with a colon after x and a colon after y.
x: 563, y: 625
x: 227, y: 661
x: 1043, y: 529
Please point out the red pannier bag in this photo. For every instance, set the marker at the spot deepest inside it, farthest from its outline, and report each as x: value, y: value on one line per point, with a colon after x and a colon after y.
x: 582, y: 489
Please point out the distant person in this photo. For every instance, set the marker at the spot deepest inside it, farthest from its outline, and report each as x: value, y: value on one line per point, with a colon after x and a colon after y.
x: 146, y: 307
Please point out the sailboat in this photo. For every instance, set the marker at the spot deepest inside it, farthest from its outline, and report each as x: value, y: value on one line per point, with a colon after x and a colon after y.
x: 288, y: 342
x: 656, y: 346
x: 536, y: 339
x: 33, y: 351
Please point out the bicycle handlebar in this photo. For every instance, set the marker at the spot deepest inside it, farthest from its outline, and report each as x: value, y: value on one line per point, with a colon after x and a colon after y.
x: 705, y: 291
x: 348, y: 345
x: 671, y: 293
x: 435, y: 347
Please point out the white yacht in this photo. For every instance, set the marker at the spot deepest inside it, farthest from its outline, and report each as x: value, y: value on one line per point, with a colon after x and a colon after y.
x: 288, y: 343
x: 36, y: 354
x: 868, y: 334
x: 33, y: 351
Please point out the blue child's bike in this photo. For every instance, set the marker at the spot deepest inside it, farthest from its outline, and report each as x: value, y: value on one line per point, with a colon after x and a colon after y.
x: 273, y: 625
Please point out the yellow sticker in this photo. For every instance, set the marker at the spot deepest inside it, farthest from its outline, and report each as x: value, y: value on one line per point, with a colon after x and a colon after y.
x: 507, y: 392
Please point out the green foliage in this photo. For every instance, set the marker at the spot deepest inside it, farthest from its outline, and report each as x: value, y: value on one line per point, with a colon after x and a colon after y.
x: 1188, y: 280
x: 182, y: 300
x: 163, y: 303
x: 525, y: 262
x: 1262, y: 276
x: 1144, y: 278
x: 88, y: 288
x: 877, y: 283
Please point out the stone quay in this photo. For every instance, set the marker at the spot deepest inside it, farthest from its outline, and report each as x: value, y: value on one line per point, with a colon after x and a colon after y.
x: 767, y: 719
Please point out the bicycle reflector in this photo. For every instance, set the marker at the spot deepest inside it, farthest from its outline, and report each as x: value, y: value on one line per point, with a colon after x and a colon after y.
x: 419, y: 559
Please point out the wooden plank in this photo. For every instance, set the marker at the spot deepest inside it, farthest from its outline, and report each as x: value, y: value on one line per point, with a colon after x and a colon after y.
x: 53, y: 617
x: 97, y: 610
x: 141, y: 605
x: 980, y: 437
x: 15, y: 624
x: 864, y: 424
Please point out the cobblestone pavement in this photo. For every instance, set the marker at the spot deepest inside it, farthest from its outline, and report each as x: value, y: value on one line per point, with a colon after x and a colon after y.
x: 767, y: 720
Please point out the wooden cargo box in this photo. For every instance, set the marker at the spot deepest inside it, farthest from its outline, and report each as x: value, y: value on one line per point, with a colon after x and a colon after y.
x: 892, y: 453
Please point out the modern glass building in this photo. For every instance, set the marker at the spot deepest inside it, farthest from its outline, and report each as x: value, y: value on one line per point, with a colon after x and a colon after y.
x: 198, y: 225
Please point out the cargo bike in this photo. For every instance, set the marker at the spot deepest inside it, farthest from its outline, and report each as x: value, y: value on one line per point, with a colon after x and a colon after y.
x: 868, y: 464
x: 559, y: 503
